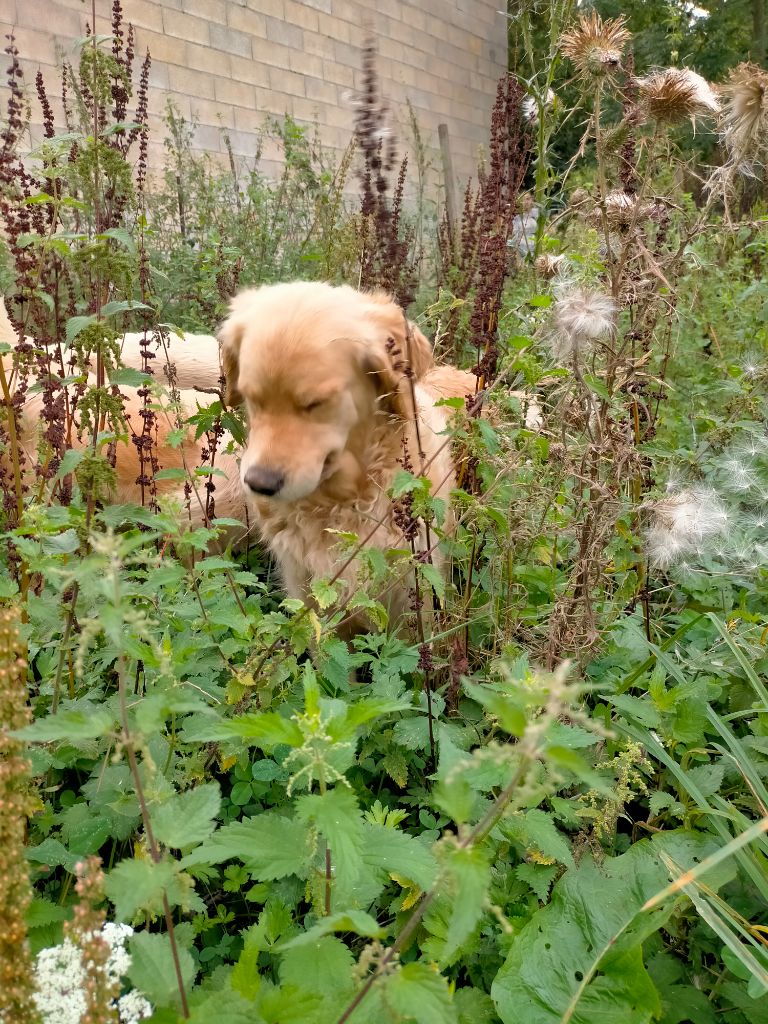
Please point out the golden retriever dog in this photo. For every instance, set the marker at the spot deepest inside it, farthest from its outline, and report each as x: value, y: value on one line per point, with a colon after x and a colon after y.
x: 337, y: 386
x: 338, y: 389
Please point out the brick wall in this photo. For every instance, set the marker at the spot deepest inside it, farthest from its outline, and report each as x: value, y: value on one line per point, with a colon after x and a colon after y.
x: 231, y: 62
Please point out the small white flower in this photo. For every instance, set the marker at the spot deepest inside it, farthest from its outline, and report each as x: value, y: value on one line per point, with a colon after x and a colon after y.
x: 133, y: 1007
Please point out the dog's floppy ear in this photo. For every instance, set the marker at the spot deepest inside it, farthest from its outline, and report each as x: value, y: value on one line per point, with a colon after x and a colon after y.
x: 400, y: 354
x: 230, y: 337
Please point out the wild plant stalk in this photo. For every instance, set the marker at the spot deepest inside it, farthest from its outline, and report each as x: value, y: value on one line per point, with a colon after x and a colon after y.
x: 16, y: 989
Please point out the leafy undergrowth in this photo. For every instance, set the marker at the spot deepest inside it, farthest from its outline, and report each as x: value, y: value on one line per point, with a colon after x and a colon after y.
x: 553, y: 807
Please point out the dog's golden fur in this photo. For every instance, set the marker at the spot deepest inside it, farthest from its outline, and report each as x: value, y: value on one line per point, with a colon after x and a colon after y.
x: 335, y: 384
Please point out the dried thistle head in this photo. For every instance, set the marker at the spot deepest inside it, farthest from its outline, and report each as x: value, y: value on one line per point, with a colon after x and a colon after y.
x: 676, y: 94
x: 581, y: 316
x: 595, y: 47
x: 745, y: 114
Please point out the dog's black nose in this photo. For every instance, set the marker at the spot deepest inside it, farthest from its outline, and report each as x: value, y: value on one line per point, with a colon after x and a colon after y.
x: 263, y: 481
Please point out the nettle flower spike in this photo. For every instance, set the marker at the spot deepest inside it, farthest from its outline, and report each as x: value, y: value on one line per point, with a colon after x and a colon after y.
x: 676, y: 94
x: 595, y: 47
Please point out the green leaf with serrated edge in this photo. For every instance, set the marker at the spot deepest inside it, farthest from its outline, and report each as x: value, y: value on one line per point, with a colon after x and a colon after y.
x: 535, y: 828
x: 262, y: 729
x: 128, y: 375
x: 324, y: 593
x: 539, y: 876
x: 153, y: 969
x: 139, y: 884
x: 418, y: 993
x: 187, y: 818
x: 121, y: 305
x: 69, y: 725
x: 398, y: 853
x: 77, y: 324
x: 70, y: 460
x: 468, y: 875
x: 323, y: 967
x: 336, y: 815
x: 434, y: 578
x: 356, y: 921
x: 269, y: 845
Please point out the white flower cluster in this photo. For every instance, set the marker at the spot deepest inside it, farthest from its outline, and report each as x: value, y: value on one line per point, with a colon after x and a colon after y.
x: 683, y: 523
x: 60, y: 980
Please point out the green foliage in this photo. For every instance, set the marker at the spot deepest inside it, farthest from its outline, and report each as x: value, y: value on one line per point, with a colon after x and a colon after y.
x: 306, y: 830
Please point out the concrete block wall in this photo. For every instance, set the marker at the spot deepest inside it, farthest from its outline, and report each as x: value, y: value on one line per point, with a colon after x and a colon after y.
x: 230, y: 63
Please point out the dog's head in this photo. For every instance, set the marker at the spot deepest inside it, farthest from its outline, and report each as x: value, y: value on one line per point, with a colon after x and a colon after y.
x: 315, y: 365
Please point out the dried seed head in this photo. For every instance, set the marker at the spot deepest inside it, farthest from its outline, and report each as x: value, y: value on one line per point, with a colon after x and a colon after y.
x: 682, y: 524
x: 595, y: 47
x: 582, y: 316
x: 549, y: 266
x: 676, y: 94
x: 531, y: 106
x: 745, y: 114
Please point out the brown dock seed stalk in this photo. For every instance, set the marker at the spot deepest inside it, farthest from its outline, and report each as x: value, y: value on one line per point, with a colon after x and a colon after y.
x: 16, y: 992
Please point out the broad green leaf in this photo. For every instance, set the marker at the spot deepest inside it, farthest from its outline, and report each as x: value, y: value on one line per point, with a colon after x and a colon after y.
x: 70, y: 725
x: 265, y: 729
x: 187, y: 818
x: 269, y: 845
x: 139, y: 884
x: 553, y: 962
x: 468, y: 875
x: 323, y: 966
x: 153, y: 970
x: 128, y: 375
x: 77, y: 324
x: 398, y: 853
x: 356, y: 921
x: 418, y: 993
x: 336, y: 815
x: 537, y: 830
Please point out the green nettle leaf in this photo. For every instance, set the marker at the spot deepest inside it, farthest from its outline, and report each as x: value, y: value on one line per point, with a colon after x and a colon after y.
x: 187, y: 818
x: 153, y: 971
x: 356, y: 921
x: 139, y: 884
x: 539, y: 876
x: 468, y: 875
x: 398, y: 853
x: 265, y: 729
x: 324, y: 593
x: 70, y: 725
x: 77, y: 324
x: 474, y: 1006
x: 338, y: 818
x: 323, y: 966
x: 536, y: 829
x: 127, y: 375
x: 419, y: 993
x: 580, y: 959
x: 270, y: 846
